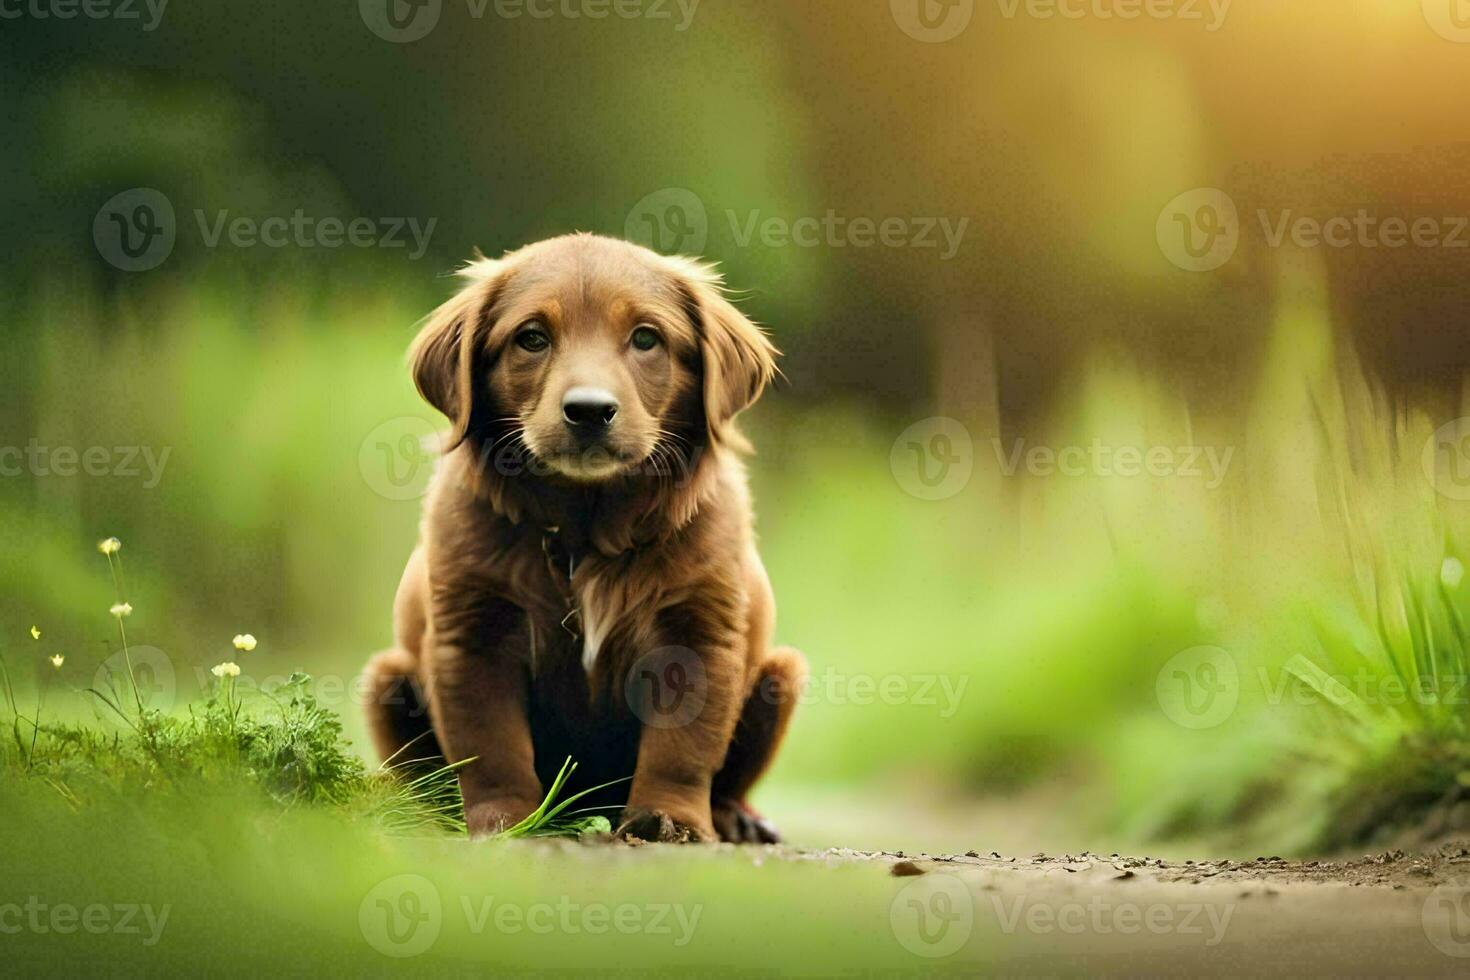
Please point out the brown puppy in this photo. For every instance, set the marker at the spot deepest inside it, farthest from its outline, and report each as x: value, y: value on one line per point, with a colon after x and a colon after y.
x: 587, y: 583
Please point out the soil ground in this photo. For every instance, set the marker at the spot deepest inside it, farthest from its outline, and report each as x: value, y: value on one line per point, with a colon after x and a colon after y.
x: 1392, y: 913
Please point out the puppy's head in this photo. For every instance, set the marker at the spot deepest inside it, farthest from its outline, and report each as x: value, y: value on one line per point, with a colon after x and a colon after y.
x: 595, y: 357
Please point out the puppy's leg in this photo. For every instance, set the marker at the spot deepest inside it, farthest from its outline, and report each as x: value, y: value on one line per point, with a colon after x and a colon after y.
x: 758, y: 736
x: 397, y: 712
x: 479, y: 696
x: 669, y: 799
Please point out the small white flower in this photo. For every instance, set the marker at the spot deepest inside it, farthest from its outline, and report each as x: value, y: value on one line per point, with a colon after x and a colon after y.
x: 244, y: 641
x: 109, y: 546
x: 35, y: 632
x: 57, y: 660
x: 1451, y: 573
x: 226, y: 669
x: 121, y: 609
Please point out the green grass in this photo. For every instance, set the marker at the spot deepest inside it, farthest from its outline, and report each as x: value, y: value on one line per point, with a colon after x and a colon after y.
x: 277, y: 740
x: 285, y: 746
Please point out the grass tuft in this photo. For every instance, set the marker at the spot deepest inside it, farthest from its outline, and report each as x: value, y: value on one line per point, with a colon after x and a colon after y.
x: 283, y: 744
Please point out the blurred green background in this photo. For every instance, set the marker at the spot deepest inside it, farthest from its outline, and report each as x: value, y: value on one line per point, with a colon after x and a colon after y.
x: 990, y: 667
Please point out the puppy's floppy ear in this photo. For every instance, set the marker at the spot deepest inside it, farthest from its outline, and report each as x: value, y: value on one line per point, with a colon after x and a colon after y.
x: 738, y: 359
x: 444, y: 353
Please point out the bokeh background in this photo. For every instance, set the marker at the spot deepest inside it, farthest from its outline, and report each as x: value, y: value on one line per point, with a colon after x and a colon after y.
x: 1006, y: 651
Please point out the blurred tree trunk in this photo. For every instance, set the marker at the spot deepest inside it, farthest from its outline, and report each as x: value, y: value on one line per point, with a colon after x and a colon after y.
x: 967, y: 384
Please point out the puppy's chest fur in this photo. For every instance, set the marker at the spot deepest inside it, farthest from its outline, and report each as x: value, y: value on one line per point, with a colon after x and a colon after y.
x: 606, y: 608
x: 597, y: 612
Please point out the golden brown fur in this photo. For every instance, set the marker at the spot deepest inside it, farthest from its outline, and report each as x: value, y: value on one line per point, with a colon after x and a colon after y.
x: 571, y: 563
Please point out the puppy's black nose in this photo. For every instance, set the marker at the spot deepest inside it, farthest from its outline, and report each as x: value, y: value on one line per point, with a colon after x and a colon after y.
x: 589, y: 408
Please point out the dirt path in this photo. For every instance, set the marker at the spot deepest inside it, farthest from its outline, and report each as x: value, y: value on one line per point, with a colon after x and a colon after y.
x: 1391, y: 913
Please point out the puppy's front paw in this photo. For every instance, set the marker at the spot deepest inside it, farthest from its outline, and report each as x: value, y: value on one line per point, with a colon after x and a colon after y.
x: 655, y: 826
x: 489, y: 817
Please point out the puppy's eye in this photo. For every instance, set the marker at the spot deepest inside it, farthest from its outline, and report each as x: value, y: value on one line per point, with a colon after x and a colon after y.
x: 533, y: 339
x: 645, y: 338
